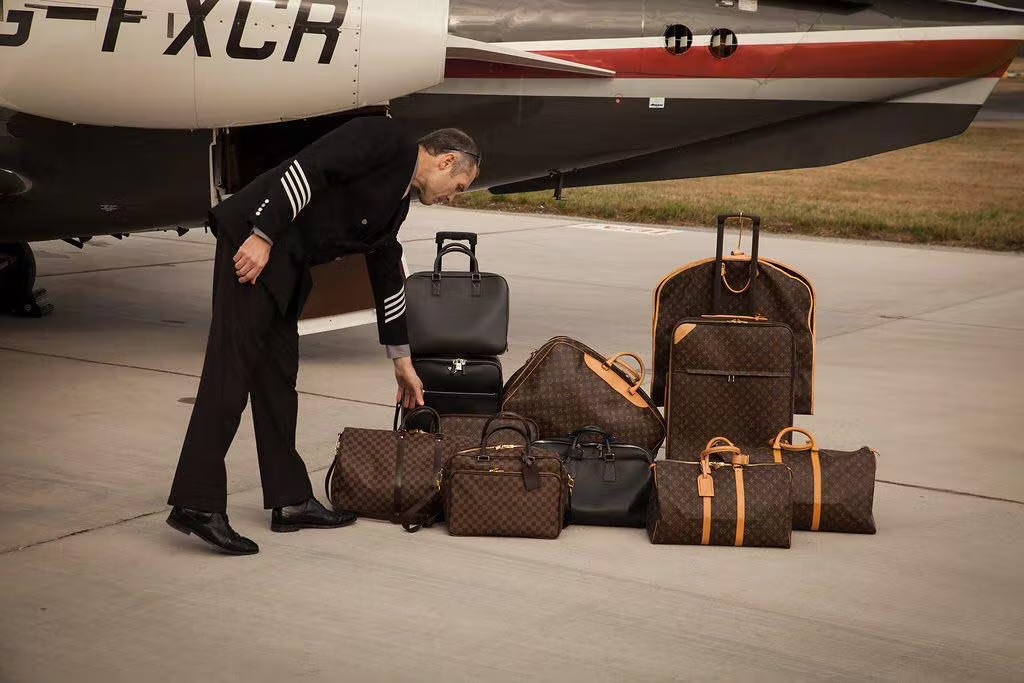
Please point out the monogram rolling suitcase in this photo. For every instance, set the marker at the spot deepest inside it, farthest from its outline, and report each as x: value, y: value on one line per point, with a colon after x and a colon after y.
x: 728, y: 375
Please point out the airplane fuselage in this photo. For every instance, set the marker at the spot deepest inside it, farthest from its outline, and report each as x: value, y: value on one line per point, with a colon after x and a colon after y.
x: 135, y: 114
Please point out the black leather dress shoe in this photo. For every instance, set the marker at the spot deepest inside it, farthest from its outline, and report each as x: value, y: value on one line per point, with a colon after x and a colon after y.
x: 309, y: 515
x: 213, y: 528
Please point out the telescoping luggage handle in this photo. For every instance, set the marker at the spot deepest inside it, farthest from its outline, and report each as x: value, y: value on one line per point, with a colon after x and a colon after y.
x: 719, y: 273
x: 445, y: 236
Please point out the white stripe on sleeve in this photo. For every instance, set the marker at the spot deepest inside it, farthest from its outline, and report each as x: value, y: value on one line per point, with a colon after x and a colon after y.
x: 395, y: 315
x: 291, y: 199
x: 300, y: 190
x: 388, y: 308
x: 302, y: 177
x: 395, y: 295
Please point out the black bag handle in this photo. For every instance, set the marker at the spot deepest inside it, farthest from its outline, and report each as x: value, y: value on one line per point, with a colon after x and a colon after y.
x: 435, y: 418
x: 590, y: 429
x: 474, y: 267
x: 443, y: 236
x: 718, y: 272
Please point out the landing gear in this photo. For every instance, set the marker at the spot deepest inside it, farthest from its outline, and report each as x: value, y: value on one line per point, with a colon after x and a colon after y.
x: 17, y: 277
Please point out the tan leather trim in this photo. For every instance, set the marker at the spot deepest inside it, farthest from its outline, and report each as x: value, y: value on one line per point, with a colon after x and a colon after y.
x: 615, y: 381
x: 657, y: 296
x: 725, y: 280
x: 638, y: 375
x: 816, y: 469
x: 741, y: 506
x: 777, y: 454
x: 682, y: 330
x: 705, y: 486
x: 811, y: 444
x: 705, y: 535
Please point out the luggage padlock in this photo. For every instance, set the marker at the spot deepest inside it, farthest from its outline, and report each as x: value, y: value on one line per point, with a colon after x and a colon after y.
x: 458, y: 366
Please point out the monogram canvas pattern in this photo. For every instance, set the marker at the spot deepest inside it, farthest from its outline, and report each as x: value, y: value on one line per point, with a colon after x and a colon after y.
x: 847, y: 488
x: 779, y: 294
x: 561, y: 394
x: 729, y: 379
x: 364, y: 475
x: 497, y: 504
x: 676, y: 513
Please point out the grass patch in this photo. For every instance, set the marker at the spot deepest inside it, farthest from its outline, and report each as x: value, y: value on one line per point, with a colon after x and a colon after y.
x: 966, y: 191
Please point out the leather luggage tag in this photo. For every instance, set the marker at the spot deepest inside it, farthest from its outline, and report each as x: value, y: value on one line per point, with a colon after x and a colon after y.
x: 705, y: 486
x: 531, y: 476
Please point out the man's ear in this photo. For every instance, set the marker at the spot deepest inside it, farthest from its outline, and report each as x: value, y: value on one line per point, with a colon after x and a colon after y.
x: 446, y: 161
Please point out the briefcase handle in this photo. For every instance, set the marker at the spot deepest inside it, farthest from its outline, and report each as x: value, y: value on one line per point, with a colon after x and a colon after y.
x: 718, y: 274
x: 474, y: 266
x: 606, y: 438
x: 528, y: 450
x: 504, y: 415
x: 444, y: 236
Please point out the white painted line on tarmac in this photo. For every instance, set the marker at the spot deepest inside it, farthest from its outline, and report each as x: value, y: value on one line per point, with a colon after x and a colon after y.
x: 633, y: 229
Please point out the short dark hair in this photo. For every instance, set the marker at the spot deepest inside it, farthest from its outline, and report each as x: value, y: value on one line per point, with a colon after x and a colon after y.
x: 453, y: 140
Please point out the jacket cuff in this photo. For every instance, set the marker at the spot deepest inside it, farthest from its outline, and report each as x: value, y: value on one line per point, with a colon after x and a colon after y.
x: 260, y: 233
x: 398, y: 351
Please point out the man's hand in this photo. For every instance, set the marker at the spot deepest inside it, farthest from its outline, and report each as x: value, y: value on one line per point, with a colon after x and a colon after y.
x: 410, y: 388
x: 250, y: 259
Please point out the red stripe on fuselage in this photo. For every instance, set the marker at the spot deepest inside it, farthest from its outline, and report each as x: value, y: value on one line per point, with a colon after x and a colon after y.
x: 882, y: 59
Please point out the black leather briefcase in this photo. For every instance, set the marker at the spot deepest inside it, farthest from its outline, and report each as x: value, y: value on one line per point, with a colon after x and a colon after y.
x: 457, y: 312
x: 611, y: 481
x: 460, y: 385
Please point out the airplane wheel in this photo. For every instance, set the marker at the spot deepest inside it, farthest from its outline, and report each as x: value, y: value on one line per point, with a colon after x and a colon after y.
x: 17, y: 278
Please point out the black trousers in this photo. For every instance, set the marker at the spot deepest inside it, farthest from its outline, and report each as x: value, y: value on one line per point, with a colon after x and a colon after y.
x: 252, y: 350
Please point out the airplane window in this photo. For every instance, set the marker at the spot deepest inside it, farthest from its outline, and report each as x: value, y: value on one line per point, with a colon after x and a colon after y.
x: 723, y: 43
x: 678, y: 39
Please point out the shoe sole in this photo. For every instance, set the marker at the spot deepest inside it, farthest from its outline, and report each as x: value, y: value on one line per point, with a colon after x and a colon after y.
x: 287, y: 528
x: 188, y: 532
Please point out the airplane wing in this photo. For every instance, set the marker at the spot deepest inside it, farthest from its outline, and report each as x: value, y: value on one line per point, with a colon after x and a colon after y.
x: 476, y: 51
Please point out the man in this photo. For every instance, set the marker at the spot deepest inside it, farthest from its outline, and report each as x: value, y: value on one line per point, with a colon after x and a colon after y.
x: 346, y: 193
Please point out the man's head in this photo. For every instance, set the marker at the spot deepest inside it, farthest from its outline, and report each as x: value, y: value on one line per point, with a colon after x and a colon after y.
x: 449, y: 162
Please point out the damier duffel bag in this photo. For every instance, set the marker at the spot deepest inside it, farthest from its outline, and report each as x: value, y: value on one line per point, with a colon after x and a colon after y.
x: 378, y: 473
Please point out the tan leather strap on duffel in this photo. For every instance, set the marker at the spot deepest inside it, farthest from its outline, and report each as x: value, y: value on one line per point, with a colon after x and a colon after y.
x: 778, y: 446
x: 741, y: 505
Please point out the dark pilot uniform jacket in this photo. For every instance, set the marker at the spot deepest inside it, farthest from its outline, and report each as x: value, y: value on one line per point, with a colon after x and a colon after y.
x: 343, y: 194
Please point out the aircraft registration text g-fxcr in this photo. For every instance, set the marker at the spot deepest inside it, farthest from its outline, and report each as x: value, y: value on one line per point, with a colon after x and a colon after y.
x: 214, y: 63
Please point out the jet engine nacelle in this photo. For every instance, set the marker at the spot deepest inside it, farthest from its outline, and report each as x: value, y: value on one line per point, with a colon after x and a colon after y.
x: 214, y: 63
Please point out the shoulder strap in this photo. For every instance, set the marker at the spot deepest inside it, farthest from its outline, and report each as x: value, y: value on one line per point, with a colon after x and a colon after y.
x: 327, y: 480
x: 413, y: 520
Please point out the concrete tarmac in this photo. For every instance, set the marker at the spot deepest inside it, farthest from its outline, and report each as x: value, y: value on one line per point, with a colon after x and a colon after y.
x: 920, y: 354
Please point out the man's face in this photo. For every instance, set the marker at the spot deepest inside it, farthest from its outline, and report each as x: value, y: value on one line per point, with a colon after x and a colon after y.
x: 442, y: 184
